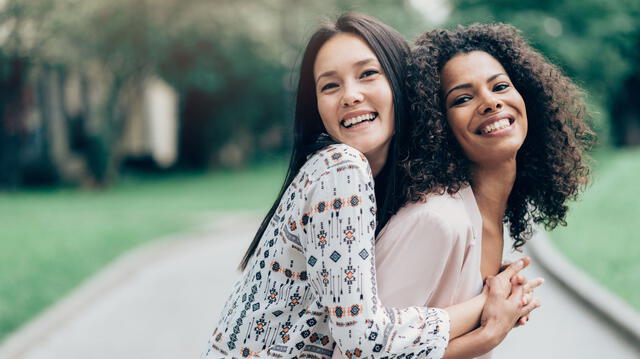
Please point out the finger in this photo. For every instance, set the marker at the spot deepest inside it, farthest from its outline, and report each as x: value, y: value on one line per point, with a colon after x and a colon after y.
x: 515, y: 267
x: 526, y: 298
x: 535, y: 303
x: 517, y: 291
x: 522, y: 321
x: 504, y: 265
x: 532, y: 284
x: 518, y: 279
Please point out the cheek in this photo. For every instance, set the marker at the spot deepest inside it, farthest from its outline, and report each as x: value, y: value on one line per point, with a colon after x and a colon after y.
x: 324, y: 107
x: 522, y: 107
x: 455, y: 123
x: 387, y: 100
x: 519, y: 102
x: 381, y: 92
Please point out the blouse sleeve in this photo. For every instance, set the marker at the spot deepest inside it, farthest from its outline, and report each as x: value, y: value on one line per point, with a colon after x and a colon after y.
x: 339, y: 232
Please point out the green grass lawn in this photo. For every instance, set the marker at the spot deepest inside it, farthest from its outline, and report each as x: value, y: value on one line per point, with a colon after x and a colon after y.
x: 51, y: 240
x: 602, y: 236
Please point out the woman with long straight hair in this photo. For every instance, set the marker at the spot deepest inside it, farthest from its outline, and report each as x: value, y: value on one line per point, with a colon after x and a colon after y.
x: 309, y: 281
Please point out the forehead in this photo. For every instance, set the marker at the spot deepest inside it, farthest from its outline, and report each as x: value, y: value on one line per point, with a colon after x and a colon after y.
x: 340, y: 51
x: 468, y: 68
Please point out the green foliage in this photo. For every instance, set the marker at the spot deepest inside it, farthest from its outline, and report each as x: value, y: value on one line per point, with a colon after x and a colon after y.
x: 52, y: 240
x: 594, y: 41
x: 600, y: 236
x: 232, y: 63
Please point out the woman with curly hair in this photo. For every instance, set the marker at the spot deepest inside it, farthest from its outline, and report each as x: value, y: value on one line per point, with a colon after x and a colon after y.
x: 499, y: 138
x: 309, y: 281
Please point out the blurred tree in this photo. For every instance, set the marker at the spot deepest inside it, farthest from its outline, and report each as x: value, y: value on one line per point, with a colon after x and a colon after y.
x: 596, y: 42
x: 72, y: 73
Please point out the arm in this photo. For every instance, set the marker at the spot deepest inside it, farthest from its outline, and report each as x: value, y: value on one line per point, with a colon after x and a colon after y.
x: 465, y: 317
x: 339, y: 241
x: 434, y: 238
x: 504, y: 306
x: 473, y: 344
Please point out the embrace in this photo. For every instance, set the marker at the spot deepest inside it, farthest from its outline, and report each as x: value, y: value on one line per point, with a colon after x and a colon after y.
x: 387, y: 236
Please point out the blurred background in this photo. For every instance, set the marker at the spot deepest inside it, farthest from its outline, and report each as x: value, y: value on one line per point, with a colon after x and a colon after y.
x: 122, y: 121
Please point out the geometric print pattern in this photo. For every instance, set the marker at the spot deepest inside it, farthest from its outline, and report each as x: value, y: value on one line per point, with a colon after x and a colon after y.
x: 311, y: 284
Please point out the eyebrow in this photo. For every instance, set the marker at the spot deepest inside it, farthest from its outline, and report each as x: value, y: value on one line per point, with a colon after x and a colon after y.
x: 465, y: 86
x: 357, y: 64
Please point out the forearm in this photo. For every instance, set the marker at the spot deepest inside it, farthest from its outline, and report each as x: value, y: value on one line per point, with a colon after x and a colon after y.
x: 339, y: 243
x: 474, y: 344
x: 465, y: 317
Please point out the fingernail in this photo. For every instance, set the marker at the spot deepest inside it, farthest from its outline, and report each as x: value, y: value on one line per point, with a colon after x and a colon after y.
x: 520, y: 263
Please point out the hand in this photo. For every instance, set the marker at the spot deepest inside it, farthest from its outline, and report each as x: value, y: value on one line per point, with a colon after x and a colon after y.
x: 528, y: 289
x: 528, y: 297
x: 504, y: 306
x: 504, y: 293
x: 510, y: 273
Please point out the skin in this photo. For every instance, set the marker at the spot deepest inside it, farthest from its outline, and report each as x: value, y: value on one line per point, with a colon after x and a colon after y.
x: 478, y: 91
x: 477, y: 94
x: 349, y: 83
x: 504, y: 305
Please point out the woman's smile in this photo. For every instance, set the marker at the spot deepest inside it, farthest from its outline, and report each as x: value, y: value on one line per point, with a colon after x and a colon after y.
x: 355, y: 100
x: 496, y: 126
x: 486, y: 113
x: 355, y: 120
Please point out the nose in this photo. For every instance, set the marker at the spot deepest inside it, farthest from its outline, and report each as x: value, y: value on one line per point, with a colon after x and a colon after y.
x: 491, y: 103
x: 352, y: 95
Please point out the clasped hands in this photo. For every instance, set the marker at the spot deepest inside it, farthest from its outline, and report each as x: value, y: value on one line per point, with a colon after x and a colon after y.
x: 510, y: 299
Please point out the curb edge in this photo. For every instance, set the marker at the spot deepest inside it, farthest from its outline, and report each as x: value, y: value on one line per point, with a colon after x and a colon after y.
x: 618, y: 314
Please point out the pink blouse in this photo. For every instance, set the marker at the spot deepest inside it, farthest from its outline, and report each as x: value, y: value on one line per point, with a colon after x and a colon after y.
x: 429, y: 253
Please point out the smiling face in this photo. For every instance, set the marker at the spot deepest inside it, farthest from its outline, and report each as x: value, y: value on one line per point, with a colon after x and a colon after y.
x: 355, y: 100
x: 486, y: 113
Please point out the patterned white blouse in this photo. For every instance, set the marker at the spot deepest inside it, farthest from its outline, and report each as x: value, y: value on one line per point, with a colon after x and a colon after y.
x: 311, y: 284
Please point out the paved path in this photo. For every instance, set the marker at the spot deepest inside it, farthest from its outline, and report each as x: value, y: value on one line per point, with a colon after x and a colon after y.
x: 162, y: 302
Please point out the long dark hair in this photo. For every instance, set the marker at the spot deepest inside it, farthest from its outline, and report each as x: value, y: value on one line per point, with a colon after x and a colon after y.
x: 391, y: 49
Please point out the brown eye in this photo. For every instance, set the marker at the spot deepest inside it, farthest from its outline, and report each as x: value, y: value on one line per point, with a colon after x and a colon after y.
x: 460, y: 100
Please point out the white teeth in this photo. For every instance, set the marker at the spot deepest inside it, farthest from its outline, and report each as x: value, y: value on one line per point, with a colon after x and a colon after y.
x: 498, y: 125
x: 355, y: 120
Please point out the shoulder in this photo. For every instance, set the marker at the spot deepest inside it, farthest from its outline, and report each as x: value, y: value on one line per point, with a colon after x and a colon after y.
x: 439, y: 223
x: 442, y: 213
x: 334, y: 159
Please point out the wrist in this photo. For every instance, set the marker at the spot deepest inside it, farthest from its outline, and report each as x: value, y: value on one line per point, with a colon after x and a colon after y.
x: 483, y: 297
x: 490, y: 335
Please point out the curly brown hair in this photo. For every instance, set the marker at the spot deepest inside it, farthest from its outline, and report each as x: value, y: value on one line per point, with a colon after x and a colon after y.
x: 552, y: 164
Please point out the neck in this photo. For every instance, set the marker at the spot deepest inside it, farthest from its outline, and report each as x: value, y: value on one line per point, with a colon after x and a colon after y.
x: 492, y: 186
x: 377, y: 159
